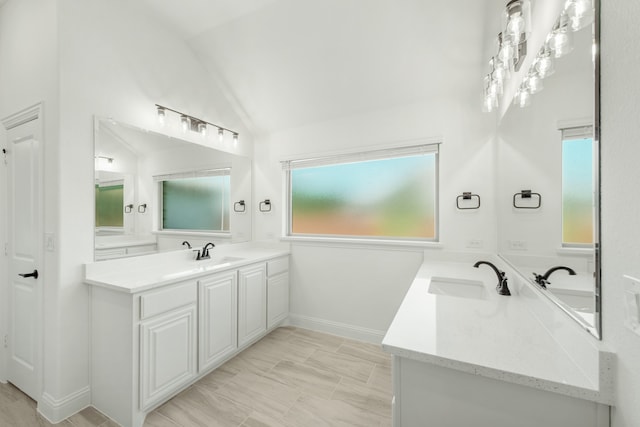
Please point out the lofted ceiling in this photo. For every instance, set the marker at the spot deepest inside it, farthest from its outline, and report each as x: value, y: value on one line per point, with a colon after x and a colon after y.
x: 287, y: 63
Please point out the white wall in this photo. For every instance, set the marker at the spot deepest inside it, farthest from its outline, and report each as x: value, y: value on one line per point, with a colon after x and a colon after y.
x: 361, y: 288
x: 103, y: 58
x: 620, y: 204
x: 29, y: 74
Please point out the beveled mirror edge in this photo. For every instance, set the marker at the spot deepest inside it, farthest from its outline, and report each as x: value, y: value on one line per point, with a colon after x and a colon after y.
x: 594, y: 329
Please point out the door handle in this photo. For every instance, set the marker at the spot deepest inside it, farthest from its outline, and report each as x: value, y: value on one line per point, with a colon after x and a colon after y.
x: 34, y: 274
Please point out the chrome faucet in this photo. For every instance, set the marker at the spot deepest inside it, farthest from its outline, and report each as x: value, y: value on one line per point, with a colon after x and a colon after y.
x: 501, y: 287
x: 543, y: 279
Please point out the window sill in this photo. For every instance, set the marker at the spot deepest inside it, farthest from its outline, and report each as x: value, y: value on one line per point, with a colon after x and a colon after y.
x: 192, y: 233
x: 575, y: 251
x: 364, y: 243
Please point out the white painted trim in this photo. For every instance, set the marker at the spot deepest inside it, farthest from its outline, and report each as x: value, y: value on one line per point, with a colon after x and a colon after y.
x: 57, y: 410
x: 24, y: 116
x: 335, y: 328
x: 362, y: 243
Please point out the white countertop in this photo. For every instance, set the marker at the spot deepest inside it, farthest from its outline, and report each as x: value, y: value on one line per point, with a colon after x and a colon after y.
x: 110, y: 242
x: 141, y: 273
x: 497, y: 337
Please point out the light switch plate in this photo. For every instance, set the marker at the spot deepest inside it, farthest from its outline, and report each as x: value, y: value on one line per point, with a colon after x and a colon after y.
x: 632, y: 303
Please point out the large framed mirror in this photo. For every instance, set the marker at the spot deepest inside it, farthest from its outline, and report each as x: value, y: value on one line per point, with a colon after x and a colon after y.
x: 548, y: 182
x: 153, y: 192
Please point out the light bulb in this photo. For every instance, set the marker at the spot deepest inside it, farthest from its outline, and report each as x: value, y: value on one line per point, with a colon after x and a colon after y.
x: 544, y: 65
x: 220, y: 134
x: 515, y: 28
x: 522, y: 98
x: 161, y: 115
x: 202, y: 128
x: 534, y: 83
x: 579, y: 13
x: 235, y: 138
x: 184, y: 121
x: 506, y: 53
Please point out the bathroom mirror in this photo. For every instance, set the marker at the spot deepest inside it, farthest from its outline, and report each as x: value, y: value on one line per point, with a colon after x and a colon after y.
x: 548, y: 183
x: 149, y: 186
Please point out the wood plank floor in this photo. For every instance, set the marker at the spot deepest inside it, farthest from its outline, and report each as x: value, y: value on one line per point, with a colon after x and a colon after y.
x: 291, y: 378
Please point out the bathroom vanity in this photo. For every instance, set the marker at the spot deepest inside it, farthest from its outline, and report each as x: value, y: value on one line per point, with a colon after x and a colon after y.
x: 464, y: 355
x: 161, y: 322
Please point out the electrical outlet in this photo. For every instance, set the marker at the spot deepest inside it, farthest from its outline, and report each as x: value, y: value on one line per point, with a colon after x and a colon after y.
x: 49, y: 242
x: 474, y: 243
x: 517, y: 245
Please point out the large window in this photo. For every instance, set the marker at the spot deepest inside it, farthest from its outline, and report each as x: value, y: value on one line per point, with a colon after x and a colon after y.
x: 109, y: 204
x: 195, y: 201
x: 384, y: 194
x: 577, y: 186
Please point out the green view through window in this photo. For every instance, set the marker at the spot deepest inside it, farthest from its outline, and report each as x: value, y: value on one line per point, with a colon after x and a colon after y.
x: 387, y: 194
x: 198, y: 203
x: 109, y: 205
x: 577, y: 187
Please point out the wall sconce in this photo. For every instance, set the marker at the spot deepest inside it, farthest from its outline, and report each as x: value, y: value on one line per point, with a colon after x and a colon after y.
x: 142, y: 208
x: 194, y: 124
x: 265, y: 206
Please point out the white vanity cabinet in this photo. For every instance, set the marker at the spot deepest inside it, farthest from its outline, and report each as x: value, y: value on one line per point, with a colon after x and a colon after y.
x: 218, y: 319
x: 150, y: 340
x: 277, y: 291
x: 252, y: 303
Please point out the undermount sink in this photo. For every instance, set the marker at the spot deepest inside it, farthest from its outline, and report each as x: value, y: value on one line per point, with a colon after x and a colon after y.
x: 223, y: 260
x: 454, y: 287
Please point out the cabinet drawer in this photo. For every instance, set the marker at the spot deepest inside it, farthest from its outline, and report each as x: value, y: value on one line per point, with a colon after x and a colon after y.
x: 277, y: 266
x: 169, y: 298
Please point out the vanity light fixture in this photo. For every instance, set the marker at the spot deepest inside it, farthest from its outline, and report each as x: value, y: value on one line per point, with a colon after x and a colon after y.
x: 511, y: 49
x: 105, y: 158
x: 577, y: 14
x: 194, y: 124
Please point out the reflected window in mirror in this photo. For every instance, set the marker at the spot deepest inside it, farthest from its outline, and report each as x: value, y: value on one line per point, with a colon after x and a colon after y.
x: 577, y: 187
x: 196, y: 201
x: 109, y: 206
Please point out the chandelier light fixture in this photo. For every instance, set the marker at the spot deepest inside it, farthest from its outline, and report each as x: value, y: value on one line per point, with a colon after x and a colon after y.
x: 512, y: 48
x: 194, y: 124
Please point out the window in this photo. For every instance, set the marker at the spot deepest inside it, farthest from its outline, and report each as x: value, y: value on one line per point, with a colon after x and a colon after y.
x: 109, y: 204
x: 197, y: 201
x: 385, y: 194
x: 577, y: 186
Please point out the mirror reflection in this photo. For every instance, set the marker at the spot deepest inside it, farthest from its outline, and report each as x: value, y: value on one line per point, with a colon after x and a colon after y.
x: 548, y: 185
x: 153, y: 192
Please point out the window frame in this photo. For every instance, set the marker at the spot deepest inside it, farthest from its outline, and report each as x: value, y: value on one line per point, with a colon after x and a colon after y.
x: 159, y: 179
x: 111, y: 229
x: 568, y: 133
x: 365, y: 154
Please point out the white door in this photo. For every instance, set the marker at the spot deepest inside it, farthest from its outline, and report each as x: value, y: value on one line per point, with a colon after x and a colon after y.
x: 218, y: 319
x: 23, y: 158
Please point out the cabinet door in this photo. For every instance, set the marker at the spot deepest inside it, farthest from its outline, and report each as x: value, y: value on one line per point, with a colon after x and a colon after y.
x: 167, y: 354
x: 252, y: 303
x: 218, y: 330
x: 277, y: 299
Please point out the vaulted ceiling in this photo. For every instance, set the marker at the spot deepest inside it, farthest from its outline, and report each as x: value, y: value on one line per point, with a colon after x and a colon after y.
x: 287, y: 63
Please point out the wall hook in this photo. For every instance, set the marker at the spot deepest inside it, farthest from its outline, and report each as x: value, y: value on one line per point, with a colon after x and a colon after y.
x: 142, y: 208
x: 265, y: 205
x: 128, y: 208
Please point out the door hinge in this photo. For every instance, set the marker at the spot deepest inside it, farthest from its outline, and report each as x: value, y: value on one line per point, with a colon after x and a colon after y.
x: 6, y: 341
x: 4, y: 153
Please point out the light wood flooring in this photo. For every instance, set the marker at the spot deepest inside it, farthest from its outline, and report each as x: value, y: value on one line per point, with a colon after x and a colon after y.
x: 291, y: 378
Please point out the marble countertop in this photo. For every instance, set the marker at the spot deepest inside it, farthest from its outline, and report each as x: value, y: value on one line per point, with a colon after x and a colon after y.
x: 497, y: 337
x: 142, y: 273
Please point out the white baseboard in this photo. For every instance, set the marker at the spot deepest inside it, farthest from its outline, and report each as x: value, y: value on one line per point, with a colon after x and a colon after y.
x: 341, y: 329
x: 56, y: 410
